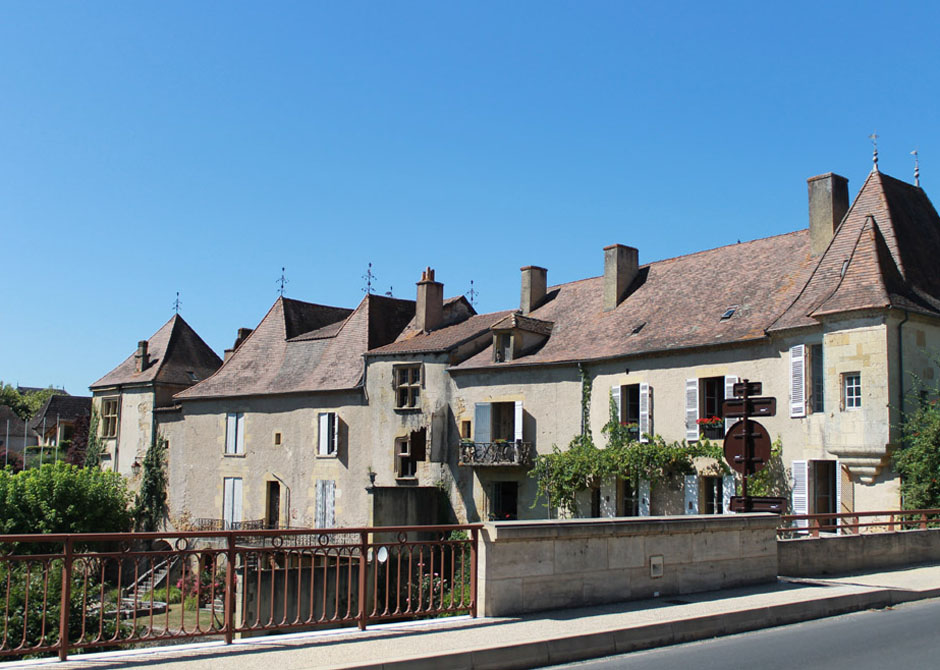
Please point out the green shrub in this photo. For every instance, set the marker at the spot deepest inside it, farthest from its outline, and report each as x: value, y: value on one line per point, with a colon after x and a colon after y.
x: 191, y: 603
x: 170, y: 596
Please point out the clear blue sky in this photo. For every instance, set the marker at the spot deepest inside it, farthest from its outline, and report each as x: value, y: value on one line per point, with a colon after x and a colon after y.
x: 149, y: 148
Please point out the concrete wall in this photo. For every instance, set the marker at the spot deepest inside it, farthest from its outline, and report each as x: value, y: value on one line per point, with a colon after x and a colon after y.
x: 806, y: 557
x: 539, y: 565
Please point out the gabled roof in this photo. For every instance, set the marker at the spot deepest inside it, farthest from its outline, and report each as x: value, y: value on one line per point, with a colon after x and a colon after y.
x: 303, y: 347
x: 177, y: 355
x: 63, y: 408
x: 883, y: 254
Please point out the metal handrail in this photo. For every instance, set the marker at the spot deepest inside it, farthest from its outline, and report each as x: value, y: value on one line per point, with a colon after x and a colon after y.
x: 850, y: 522
x: 496, y: 453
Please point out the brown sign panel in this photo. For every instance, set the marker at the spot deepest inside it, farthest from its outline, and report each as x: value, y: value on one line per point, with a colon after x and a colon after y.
x: 758, y: 504
x: 734, y: 408
x: 753, y: 388
x: 734, y: 446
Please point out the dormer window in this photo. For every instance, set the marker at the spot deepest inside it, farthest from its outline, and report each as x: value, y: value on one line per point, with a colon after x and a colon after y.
x: 503, y: 345
x: 728, y: 313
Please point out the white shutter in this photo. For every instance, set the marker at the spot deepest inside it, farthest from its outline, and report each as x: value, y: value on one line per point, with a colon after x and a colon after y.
x: 334, y: 434
x: 230, y: 431
x: 482, y: 422
x: 691, y: 410
x: 517, y: 422
x: 323, y: 447
x: 797, y: 381
x: 838, y: 492
x: 644, y: 494
x: 729, y: 393
x: 691, y: 494
x: 727, y: 491
x: 615, y: 393
x: 329, y: 491
x: 227, y: 502
x: 240, y: 435
x: 646, y: 412
x: 800, y: 499
x: 236, y: 500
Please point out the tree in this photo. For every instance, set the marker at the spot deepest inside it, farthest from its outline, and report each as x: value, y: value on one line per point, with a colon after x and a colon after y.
x: 918, y: 460
x: 150, y: 503
x: 79, y: 443
x: 25, y: 405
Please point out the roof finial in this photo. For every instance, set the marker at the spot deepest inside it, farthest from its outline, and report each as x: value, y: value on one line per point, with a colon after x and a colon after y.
x: 369, y: 276
x: 473, y: 294
x: 177, y: 304
x: 281, y: 282
x: 874, y: 157
x: 916, y: 168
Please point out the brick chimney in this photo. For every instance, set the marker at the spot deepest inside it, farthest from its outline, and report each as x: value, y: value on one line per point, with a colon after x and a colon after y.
x: 240, y: 337
x: 621, y: 263
x: 141, y: 358
x: 533, y: 287
x: 828, y: 203
x: 429, y: 311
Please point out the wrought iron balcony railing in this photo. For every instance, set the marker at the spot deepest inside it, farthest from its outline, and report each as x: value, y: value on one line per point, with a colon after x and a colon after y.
x: 500, y: 453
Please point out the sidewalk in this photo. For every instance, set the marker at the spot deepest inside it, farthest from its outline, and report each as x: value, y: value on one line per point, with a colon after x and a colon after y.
x: 540, y: 639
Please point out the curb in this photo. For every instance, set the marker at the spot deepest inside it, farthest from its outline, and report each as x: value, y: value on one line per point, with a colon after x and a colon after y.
x: 609, y: 643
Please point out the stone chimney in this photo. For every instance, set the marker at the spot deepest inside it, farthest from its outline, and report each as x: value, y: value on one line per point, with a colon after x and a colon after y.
x: 429, y: 311
x: 141, y: 358
x: 621, y: 263
x: 828, y: 203
x: 240, y: 337
x: 533, y: 287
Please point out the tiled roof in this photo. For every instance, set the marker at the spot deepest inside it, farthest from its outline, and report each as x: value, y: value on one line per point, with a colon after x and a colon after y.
x: 300, y: 346
x: 516, y: 320
x: 177, y: 355
x: 674, y: 303
x: 63, y: 407
x: 442, y: 339
x: 16, y: 425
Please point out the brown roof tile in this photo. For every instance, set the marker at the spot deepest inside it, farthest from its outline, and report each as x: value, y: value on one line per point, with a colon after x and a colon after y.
x: 442, y: 339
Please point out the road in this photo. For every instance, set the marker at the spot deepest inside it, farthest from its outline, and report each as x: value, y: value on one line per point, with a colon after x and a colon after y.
x: 902, y: 637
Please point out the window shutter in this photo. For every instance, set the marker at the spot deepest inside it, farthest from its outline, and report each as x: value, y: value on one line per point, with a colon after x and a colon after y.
x: 334, y: 432
x: 323, y: 434
x: 691, y: 494
x: 727, y: 491
x: 800, y: 499
x: 236, y: 500
x: 615, y: 393
x: 517, y: 422
x: 227, y: 485
x: 797, y: 381
x: 691, y: 410
x: 839, y: 492
x: 646, y: 412
x: 481, y: 422
x: 438, y: 433
x: 326, y: 497
x: 644, y: 494
x: 240, y: 435
x: 729, y: 393
x: 230, y: 430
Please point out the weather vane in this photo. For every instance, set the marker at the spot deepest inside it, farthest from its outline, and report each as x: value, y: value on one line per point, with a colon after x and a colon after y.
x: 369, y: 278
x: 916, y: 167
x: 874, y: 157
x: 473, y: 294
x: 281, y: 283
x: 177, y: 304
x: 389, y: 292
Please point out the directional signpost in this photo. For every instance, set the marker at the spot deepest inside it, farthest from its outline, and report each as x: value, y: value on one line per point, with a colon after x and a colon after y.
x: 747, y: 444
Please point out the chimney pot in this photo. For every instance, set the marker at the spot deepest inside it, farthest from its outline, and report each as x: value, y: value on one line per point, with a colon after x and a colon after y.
x: 141, y: 358
x: 533, y: 287
x: 621, y: 264
x: 429, y: 309
x: 828, y: 203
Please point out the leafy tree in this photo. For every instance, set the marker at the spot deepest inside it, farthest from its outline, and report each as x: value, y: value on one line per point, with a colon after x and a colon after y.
x: 12, y: 460
x: 774, y: 479
x: 918, y: 460
x: 61, y: 498
x: 150, y: 503
x: 25, y: 405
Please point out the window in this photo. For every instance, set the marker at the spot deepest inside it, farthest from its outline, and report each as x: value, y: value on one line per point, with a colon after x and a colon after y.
x: 505, y: 501
x: 231, y: 502
x: 272, y: 513
x: 235, y: 433
x: 634, y: 404
x: 498, y: 421
x: 328, y: 439
x: 407, y: 386
x: 713, y: 395
x: 713, y: 490
x: 503, y: 350
x: 595, y: 503
x: 852, y: 390
x: 277, y: 439
x: 409, y: 451
x: 629, y: 498
x: 817, y: 403
x: 465, y: 430
x: 109, y: 417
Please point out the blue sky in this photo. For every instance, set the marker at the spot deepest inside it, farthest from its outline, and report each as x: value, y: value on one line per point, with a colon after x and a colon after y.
x: 150, y: 148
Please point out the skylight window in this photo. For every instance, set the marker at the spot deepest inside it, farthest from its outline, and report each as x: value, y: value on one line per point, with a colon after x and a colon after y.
x: 728, y: 313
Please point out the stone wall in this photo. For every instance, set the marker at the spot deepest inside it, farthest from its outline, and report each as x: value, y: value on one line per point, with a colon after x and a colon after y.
x: 539, y: 565
x: 842, y: 554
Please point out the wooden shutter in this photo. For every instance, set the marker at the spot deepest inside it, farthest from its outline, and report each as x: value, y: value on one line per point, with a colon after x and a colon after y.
x: 800, y: 498
x: 729, y: 393
x: 240, y: 434
x: 691, y: 494
x: 727, y: 491
x: 691, y: 410
x: 230, y: 432
x: 482, y: 422
x: 323, y: 447
x: 797, y: 381
x: 438, y: 433
x: 231, y: 502
x: 646, y: 412
x: 334, y: 432
x: 616, y: 392
x: 326, y: 497
x: 644, y: 495
x: 517, y: 422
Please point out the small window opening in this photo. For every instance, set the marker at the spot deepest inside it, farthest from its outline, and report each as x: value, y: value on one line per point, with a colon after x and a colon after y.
x: 728, y: 313
x: 637, y: 328
x: 465, y: 430
x: 277, y: 439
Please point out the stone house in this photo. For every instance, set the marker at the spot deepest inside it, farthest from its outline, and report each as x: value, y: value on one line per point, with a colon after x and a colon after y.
x: 54, y: 422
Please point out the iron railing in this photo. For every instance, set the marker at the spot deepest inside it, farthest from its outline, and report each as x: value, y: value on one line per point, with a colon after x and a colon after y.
x: 496, y: 453
x: 67, y: 592
x: 890, y: 521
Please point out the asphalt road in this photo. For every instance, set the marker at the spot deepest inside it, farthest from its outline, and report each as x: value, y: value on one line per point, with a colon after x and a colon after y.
x: 905, y: 637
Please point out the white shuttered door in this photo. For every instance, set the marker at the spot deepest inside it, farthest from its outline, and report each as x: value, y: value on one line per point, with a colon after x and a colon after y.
x: 691, y: 410
x: 797, y: 381
x: 517, y: 422
x: 231, y: 501
x: 800, y: 500
x: 646, y: 412
x: 240, y: 435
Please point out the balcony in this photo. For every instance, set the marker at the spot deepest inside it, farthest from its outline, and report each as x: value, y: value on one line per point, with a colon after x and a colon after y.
x: 496, y: 454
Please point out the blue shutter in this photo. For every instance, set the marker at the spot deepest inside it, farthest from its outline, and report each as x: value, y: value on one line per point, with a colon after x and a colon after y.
x: 481, y: 422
